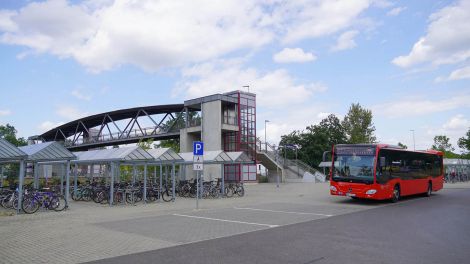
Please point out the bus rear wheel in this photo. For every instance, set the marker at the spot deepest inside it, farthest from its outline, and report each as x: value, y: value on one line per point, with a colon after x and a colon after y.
x: 396, y: 194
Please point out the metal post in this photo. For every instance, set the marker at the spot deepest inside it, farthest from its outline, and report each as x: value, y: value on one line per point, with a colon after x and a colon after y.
x: 1, y: 176
x: 20, y: 186
x: 173, y: 183
x: 155, y: 175
x: 36, y: 175
x: 161, y: 183
x: 222, y: 187
x: 145, y: 183
x: 111, y: 187
x: 133, y: 174
x: 277, y: 177
x: 75, y: 178
x: 265, y: 141
x: 67, y: 184
x: 414, y: 145
x: 166, y: 175
x: 62, y: 180
x: 297, y: 161
x: 197, y: 190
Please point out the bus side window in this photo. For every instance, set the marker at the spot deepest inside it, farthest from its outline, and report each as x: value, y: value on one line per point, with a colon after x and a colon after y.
x: 382, y: 171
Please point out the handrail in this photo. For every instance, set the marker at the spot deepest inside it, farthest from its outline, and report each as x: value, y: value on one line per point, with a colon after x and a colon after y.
x: 271, y: 151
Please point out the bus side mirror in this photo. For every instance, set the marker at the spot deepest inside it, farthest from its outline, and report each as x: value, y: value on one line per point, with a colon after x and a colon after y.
x: 382, y: 162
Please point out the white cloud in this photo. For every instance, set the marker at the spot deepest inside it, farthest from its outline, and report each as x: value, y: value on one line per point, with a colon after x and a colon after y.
x: 288, y: 55
x: 345, y: 41
x: 396, y: 11
x: 48, y: 125
x: 274, y: 89
x: 454, y: 128
x: 410, y: 106
x: 102, y: 35
x: 462, y: 73
x: 5, y: 112
x: 6, y: 24
x: 70, y: 113
x: 79, y: 95
x: 447, y: 40
x: 289, y: 120
x: 317, y: 18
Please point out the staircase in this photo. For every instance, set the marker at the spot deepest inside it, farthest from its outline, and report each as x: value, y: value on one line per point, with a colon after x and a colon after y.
x: 288, y: 170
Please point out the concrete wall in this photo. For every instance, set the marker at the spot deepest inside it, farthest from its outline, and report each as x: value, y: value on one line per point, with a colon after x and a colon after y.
x: 211, y: 136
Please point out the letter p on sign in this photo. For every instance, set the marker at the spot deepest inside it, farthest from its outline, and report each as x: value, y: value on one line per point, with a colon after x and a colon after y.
x: 198, y: 148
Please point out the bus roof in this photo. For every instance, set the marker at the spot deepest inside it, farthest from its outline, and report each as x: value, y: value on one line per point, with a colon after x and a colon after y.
x: 389, y: 146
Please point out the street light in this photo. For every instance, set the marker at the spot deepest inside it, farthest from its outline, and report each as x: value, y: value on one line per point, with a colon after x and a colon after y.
x: 414, y: 145
x: 265, y: 142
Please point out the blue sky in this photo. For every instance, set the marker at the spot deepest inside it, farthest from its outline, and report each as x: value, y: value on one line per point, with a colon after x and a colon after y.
x: 407, y: 61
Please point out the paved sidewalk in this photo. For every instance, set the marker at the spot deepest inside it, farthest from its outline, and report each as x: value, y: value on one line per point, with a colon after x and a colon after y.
x: 89, y: 231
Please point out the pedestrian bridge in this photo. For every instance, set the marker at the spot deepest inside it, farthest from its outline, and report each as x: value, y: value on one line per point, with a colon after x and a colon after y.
x: 118, y: 127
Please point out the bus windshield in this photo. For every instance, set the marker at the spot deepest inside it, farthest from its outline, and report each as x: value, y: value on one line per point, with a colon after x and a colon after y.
x: 354, y: 168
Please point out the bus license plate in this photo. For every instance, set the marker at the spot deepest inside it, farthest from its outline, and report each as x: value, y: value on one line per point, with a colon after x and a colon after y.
x: 350, y: 194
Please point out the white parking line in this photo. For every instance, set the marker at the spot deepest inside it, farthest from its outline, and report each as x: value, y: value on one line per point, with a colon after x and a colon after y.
x: 285, y: 212
x: 225, y: 220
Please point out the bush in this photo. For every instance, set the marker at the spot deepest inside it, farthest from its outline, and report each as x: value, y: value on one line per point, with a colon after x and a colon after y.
x: 263, y: 179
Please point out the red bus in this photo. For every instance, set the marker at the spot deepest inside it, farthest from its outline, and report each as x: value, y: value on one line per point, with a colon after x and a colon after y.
x: 380, y: 171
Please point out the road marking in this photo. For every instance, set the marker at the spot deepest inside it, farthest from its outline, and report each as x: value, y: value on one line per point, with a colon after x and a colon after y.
x: 285, y: 212
x: 225, y: 220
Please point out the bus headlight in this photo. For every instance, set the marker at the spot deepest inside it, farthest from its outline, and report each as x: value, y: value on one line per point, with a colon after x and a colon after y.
x: 333, y: 188
x: 372, y: 191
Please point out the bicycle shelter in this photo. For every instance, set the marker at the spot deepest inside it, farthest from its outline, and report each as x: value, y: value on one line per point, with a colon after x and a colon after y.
x: 11, y: 154
x: 218, y: 157
x: 458, y: 166
x: 50, y: 153
x: 112, y: 158
x: 166, y: 157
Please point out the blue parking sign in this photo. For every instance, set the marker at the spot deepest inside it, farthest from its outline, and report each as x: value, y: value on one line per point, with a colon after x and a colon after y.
x: 198, y: 148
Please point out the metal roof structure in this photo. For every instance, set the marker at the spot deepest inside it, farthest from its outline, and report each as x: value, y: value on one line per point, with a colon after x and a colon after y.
x: 70, y: 128
x: 115, y: 154
x: 239, y: 157
x: 456, y: 162
x: 218, y: 156
x: 48, y: 151
x: 165, y: 155
x: 9, y: 152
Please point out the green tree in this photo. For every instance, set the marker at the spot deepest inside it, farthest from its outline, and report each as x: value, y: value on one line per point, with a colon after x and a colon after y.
x: 8, y: 132
x: 145, y: 144
x: 402, y: 145
x: 441, y: 143
x: 169, y: 143
x: 464, y: 142
x: 358, y: 125
x: 315, y: 140
x: 335, y: 132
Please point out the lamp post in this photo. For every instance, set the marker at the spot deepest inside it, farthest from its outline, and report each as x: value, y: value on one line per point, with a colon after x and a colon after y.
x: 414, y: 145
x: 297, y: 159
x: 265, y: 142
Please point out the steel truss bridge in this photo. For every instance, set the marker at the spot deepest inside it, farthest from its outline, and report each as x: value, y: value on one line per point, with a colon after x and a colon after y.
x: 119, y: 127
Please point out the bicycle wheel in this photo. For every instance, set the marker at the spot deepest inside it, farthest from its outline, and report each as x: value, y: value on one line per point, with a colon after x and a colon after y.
x: 240, y: 190
x: 30, y: 205
x: 58, y: 203
x: 228, y: 191
x: 166, y: 196
x: 86, y: 195
x: 76, y: 195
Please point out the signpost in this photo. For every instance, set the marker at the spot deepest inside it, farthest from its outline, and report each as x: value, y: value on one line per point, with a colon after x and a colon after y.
x: 198, y: 165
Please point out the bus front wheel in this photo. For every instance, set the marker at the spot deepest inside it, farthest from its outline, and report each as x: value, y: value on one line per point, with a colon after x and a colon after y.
x: 429, y: 191
x: 396, y: 194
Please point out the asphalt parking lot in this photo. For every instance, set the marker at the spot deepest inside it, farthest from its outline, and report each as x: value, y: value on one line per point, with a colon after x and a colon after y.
x: 90, y: 232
